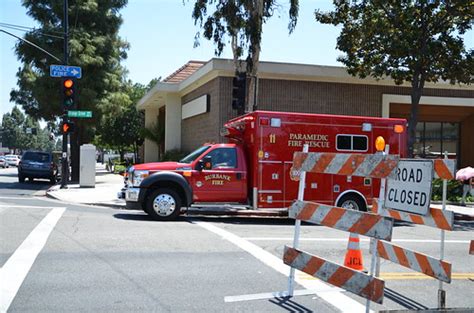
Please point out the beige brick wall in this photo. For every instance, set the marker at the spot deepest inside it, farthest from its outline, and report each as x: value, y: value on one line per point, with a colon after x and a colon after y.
x: 202, y: 128
x: 291, y: 96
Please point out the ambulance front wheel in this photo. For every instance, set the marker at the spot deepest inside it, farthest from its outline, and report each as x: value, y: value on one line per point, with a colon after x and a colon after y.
x: 164, y: 204
x: 352, y: 202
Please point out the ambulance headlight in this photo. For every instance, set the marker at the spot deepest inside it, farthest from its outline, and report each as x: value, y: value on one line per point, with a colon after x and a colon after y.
x: 139, y: 176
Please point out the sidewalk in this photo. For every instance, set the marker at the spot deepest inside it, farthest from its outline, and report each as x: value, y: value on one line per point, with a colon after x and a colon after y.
x: 107, y: 185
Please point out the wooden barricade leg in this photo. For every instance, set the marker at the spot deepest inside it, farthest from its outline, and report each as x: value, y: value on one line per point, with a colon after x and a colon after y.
x: 296, y: 236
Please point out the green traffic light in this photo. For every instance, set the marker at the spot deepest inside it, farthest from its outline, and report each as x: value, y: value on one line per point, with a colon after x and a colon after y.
x: 68, y: 102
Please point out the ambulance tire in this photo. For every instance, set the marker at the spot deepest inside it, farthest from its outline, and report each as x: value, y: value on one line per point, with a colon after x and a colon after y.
x: 352, y: 202
x: 163, y: 204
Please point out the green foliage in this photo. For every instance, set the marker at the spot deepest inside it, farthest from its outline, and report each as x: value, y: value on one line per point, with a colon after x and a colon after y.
x: 20, y: 133
x: 119, y: 169
x: 173, y: 155
x: 239, y: 20
x: 94, y: 45
x: 122, y: 129
x: 454, y: 191
x: 414, y: 41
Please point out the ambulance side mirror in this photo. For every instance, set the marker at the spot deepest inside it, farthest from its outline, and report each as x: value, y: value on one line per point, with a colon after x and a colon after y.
x: 205, y: 163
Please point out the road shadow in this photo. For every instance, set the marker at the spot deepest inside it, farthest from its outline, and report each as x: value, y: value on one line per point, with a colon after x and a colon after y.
x: 463, y: 225
x: 247, y: 220
x: 288, y: 304
x: 403, y: 300
x: 142, y: 216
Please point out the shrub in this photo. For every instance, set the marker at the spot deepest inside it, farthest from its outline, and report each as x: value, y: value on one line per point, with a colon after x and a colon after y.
x: 119, y: 169
x: 454, y: 191
x: 173, y: 155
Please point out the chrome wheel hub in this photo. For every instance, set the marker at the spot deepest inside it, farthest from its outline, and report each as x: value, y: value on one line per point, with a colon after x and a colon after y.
x: 164, y: 205
x: 350, y: 205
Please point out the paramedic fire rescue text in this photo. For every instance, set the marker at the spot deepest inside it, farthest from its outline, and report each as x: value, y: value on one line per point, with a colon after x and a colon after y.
x: 312, y: 140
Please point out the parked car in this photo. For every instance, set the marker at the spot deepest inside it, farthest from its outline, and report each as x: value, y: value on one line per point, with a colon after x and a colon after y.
x: 3, y: 163
x: 37, y: 164
x: 12, y: 160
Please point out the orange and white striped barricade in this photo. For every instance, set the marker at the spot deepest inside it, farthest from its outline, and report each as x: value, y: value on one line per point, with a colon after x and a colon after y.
x: 367, y: 224
x: 351, y: 280
x: 365, y: 165
x: 437, y: 218
x: 416, y: 261
x: 444, y: 168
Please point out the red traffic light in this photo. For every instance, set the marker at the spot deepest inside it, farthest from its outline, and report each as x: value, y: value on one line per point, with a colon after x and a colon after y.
x: 68, y: 83
x: 68, y: 93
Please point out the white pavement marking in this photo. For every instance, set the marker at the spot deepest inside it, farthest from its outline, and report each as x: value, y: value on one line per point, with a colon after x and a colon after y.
x: 270, y: 295
x: 345, y: 240
x: 14, y: 272
x: 335, y: 298
x: 7, y: 206
x: 16, y: 198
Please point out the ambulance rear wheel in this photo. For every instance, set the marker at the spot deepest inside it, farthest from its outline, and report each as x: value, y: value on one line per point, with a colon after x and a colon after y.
x: 352, y: 202
x: 163, y: 204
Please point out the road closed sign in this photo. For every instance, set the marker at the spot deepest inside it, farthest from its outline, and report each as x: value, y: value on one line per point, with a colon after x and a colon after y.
x: 410, y: 190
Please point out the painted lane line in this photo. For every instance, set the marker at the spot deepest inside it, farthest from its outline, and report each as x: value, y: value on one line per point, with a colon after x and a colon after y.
x: 345, y: 240
x: 14, y: 272
x: 5, y: 206
x: 17, y: 198
x: 408, y: 276
x: 335, y: 298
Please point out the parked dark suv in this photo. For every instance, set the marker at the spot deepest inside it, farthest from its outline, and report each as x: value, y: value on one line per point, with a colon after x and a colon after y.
x: 36, y: 164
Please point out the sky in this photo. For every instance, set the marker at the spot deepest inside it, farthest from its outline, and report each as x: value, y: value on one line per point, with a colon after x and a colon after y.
x: 161, y: 36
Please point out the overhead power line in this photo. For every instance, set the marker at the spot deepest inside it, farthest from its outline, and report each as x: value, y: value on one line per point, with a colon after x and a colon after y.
x: 30, y: 43
x: 26, y: 29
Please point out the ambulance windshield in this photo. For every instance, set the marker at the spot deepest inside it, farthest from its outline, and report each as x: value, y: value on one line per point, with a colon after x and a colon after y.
x: 193, y: 155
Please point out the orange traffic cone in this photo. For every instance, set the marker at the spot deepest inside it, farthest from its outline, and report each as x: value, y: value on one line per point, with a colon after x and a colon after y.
x: 353, y: 257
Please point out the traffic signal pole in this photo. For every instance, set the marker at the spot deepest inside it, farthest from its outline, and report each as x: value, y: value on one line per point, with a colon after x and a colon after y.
x: 64, y: 159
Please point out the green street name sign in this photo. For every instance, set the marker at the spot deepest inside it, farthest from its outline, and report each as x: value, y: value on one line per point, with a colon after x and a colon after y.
x: 79, y: 114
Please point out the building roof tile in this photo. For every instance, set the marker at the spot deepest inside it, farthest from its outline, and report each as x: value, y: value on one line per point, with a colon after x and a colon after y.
x: 184, y: 72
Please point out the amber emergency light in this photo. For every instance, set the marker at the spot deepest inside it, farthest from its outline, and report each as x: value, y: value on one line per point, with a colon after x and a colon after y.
x: 398, y: 129
x: 380, y: 144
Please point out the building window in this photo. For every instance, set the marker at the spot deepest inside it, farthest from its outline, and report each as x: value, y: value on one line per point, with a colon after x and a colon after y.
x: 432, y: 139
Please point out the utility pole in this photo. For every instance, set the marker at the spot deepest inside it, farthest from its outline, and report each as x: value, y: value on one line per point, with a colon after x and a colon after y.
x: 65, y: 159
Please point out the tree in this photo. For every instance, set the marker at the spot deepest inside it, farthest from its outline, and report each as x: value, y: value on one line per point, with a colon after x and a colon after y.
x: 415, y: 41
x: 155, y: 133
x: 240, y: 22
x: 20, y: 133
x: 122, y: 130
x: 94, y: 45
x: 11, y: 128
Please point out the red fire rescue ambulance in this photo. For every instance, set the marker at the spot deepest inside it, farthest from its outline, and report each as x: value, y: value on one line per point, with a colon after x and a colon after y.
x: 252, y: 170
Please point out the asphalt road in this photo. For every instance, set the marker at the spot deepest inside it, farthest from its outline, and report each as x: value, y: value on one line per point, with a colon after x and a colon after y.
x: 58, y: 257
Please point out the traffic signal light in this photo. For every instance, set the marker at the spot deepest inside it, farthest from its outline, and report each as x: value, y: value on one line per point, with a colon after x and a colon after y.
x: 67, y: 127
x: 239, y: 90
x: 68, y: 93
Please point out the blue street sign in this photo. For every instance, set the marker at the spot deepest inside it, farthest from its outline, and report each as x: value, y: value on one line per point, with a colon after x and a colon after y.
x: 65, y: 71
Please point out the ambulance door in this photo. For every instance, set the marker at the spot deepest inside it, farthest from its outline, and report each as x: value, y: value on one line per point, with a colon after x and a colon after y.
x: 271, y: 189
x: 225, y: 182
